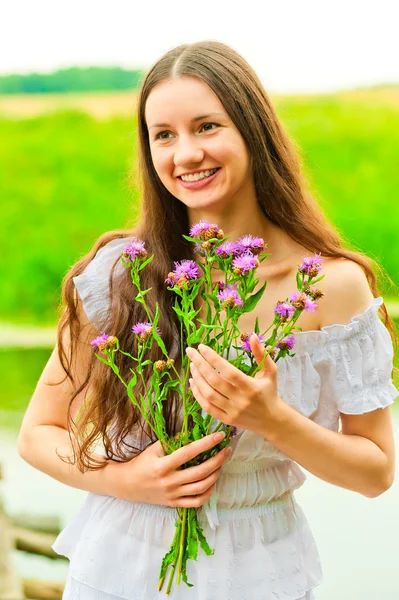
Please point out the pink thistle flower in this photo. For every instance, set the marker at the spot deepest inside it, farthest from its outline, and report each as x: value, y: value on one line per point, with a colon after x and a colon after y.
x: 230, y: 297
x: 134, y: 250
x: 285, y: 310
x: 188, y: 268
x: 103, y: 342
x: 302, y: 301
x: 184, y: 271
x: 144, y: 330
x: 249, y: 243
x: 206, y: 231
x: 228, y: 249
x: 287, y: 343
x: 243, y: 264
x: 245, y: 338
x: 311, y: 265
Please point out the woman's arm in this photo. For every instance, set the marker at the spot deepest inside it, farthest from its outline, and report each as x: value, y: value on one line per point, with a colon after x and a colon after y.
x: 362, y: 457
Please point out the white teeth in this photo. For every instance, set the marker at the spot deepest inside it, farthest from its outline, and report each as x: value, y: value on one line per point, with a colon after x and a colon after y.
x: 198, y: 176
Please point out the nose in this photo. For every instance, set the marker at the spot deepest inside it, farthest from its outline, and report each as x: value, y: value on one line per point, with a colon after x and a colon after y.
x: 188, y: 151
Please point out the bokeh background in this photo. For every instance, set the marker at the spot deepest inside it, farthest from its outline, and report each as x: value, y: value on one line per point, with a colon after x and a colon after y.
x: 69, y: 76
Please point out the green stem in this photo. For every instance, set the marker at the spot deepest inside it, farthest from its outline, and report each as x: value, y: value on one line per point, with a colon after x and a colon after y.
x: 136, y: 281
x: 182, y: 546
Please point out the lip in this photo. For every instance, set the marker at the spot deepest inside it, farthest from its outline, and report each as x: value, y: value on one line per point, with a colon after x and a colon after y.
x: 190, y: 185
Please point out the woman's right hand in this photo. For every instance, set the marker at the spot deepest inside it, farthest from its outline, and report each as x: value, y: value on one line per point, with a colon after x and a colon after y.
x: 157, y: 478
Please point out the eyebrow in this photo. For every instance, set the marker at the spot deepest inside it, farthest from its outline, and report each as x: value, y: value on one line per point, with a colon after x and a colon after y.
x: 199, y: 118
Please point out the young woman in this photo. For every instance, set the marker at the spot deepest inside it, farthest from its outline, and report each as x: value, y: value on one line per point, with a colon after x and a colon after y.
x: 202, y: 110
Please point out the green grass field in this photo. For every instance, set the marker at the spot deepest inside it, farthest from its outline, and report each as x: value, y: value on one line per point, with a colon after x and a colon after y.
x: 64, y: 182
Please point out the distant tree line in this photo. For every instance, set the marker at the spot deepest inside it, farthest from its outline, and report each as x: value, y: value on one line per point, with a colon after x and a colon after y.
x: 73, y: 79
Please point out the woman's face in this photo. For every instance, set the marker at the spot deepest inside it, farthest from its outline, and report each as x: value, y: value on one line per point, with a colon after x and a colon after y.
x: 191, y: 132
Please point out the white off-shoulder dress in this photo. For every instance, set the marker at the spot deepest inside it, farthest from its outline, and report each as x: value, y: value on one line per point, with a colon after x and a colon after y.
x: 264, y: 548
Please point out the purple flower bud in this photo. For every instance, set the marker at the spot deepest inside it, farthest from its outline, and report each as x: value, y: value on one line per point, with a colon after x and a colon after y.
x: 144, y: 330
x: 245, y: 263
x: 134, y: 250
x: 287, y: 343
x: 285, y: 310
x: 103, y: 341
x: 186, y: 270
x: 206, y: 231
x: 249, y: 243
x: 302, y: 301
x: 311, y: 265
x: 230, y: 296
x: 228, y: 249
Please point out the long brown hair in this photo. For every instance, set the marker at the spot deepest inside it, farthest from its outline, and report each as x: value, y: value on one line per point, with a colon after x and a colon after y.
x: 282, y: 193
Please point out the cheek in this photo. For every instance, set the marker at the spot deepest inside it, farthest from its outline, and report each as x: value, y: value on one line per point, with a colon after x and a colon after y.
x: 163, y: 166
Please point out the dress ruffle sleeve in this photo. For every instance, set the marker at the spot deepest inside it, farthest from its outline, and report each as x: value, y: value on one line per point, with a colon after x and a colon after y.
x: 354, y: 362
x: 93, y: 284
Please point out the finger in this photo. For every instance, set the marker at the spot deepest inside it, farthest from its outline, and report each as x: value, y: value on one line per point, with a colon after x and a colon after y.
x: 208, y: 405
x: 258, y: 350
x: 190, y: 451
x: 197, y: 488
x: 194, y: 501
x: 209, y: 373
x: 202, y: 471
x: 227, y: 371
x: 207, y: 391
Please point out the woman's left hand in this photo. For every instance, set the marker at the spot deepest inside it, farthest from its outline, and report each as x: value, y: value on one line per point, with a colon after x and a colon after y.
x: 230, y: 395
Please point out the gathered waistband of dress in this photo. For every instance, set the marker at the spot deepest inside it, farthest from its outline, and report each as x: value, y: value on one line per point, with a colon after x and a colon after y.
x: 224, y: 514
x: 238, y: 467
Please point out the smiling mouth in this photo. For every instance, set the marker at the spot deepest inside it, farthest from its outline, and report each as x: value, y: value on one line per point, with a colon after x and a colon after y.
x: 211, y: 171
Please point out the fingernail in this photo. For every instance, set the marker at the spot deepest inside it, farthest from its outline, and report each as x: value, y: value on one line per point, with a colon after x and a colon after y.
x: 219, y: 436
x: 229, y: 450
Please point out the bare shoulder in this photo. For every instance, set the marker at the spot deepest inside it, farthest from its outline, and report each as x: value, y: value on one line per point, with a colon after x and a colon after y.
x: 346, y: 292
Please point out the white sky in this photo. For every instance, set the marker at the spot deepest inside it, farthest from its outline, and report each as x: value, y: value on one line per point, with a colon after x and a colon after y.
x: 295, y: 45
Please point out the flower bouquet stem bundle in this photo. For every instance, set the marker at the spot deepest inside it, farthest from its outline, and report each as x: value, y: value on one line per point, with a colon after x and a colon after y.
x: 223, y: 302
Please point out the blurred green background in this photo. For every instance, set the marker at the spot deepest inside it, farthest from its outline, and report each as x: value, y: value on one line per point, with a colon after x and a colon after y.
x: 65, y: 160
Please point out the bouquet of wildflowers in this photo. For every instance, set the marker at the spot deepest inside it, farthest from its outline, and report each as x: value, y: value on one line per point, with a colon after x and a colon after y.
x: 224, y: 303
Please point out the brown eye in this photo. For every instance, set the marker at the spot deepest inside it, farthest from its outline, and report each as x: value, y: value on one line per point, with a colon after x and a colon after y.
x: 216, y: 125
x: 158, y: 136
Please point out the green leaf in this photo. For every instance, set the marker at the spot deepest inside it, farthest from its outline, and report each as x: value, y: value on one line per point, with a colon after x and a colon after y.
x: 202, y: 540
x: 131, y: 383
x: 257, y: 330
x: 197, y: 432
x: 103, y: 360
x: 313, y: 281
x: 141, y: 295
x: 196, y: 336
x: 146, y: 362
x: 178, y: 311
x: 253, y: 300
x: 190, y: 239
x: 192, y: 548
x: 146, y: 262
x: 115, y: 369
